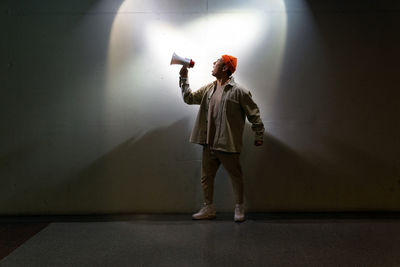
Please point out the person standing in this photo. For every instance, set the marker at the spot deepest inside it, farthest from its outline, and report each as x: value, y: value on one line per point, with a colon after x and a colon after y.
x: 224, y: 107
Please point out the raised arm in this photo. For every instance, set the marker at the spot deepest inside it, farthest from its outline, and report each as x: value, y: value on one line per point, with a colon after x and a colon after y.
x: 191, y: 98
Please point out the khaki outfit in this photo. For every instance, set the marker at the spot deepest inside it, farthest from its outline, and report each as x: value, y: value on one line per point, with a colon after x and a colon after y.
x: 212, y: 159
x: 219, y: 128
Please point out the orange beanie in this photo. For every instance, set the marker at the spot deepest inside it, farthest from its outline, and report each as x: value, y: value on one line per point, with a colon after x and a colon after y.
x: 230, y: 61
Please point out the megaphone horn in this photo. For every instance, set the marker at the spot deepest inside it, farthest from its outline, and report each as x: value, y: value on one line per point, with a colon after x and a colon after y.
x: 187, y: 62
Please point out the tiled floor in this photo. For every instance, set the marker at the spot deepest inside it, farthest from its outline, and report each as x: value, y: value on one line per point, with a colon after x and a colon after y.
x: 175, y: 240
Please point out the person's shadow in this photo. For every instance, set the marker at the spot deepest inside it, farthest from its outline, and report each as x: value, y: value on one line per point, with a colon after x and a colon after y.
x: 339, y: 177
x: 275, y: 177
x: 159, y: 172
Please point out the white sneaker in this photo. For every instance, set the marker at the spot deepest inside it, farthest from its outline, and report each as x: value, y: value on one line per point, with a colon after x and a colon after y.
x: 206, y: 212
x: 239, y: 213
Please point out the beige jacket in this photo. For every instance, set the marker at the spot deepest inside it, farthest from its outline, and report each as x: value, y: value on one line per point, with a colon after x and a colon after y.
x: 236, y: 104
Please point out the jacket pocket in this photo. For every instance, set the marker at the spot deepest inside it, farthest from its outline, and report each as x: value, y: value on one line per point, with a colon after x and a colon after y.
x: 232, y: 107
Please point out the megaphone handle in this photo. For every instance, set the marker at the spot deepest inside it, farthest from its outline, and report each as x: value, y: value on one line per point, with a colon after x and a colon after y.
x: 183, y: 72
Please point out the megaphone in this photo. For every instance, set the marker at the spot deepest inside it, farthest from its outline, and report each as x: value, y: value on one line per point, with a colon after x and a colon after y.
x: 186, y: 62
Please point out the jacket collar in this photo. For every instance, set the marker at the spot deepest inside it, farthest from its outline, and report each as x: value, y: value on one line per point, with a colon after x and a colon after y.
x: 231, y: 83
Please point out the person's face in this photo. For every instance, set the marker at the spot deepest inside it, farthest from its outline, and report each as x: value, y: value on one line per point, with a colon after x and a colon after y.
x: 218, y: 68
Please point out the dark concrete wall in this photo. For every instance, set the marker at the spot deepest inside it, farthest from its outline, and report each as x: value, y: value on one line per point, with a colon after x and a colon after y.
x: 93, y: 121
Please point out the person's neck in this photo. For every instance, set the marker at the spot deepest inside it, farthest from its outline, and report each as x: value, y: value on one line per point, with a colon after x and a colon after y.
x: 223, y: 80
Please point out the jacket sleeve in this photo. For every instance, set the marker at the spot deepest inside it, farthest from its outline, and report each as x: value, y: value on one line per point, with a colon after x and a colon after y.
x: 191, y: 98
x: 253, y: 115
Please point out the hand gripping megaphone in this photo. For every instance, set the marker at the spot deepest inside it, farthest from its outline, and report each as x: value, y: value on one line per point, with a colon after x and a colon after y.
x: 186, y: 62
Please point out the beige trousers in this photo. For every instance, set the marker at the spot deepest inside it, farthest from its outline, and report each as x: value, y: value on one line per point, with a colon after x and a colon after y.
x: 212, y: 159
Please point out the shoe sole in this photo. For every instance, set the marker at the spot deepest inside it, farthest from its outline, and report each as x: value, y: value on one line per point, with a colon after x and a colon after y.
x: 205, y: 218
x: 239, y: 220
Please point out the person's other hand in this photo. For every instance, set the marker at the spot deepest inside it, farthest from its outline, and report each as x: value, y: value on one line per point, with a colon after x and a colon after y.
x: 258, y: 143
x: 184, y: 72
